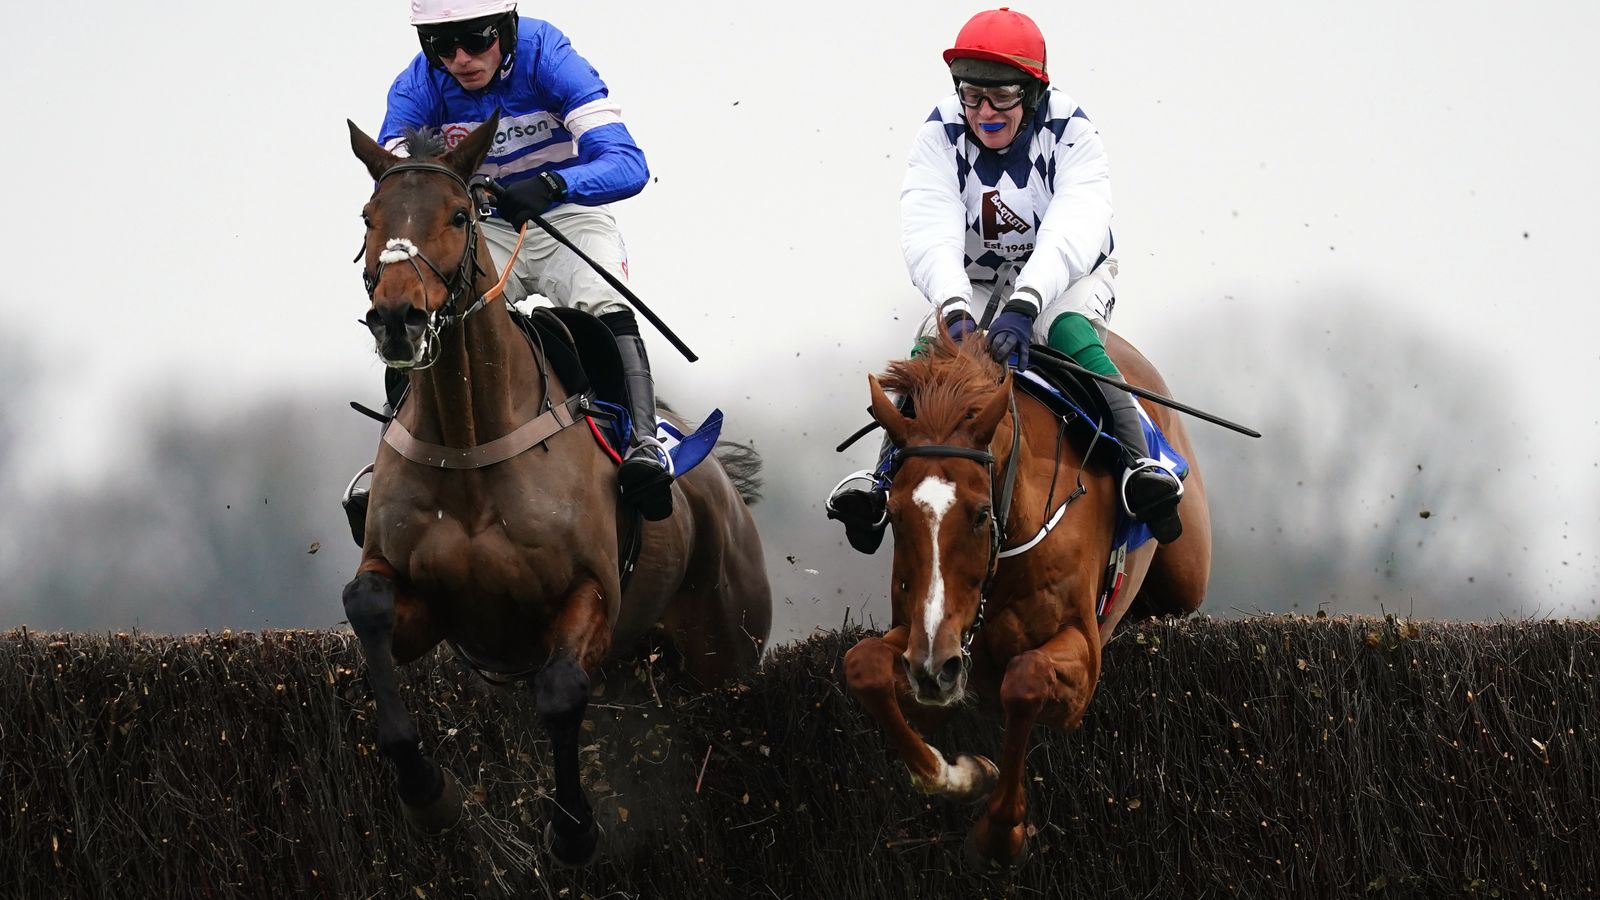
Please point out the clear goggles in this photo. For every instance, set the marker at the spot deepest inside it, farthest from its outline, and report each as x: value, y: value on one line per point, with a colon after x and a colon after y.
x: 1002, y: 97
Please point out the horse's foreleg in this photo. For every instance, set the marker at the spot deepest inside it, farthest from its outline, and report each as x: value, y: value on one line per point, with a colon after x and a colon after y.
x: 872, y: 669
x: 579, y: 641
x: 1054, y: 683
x: 431, y: 795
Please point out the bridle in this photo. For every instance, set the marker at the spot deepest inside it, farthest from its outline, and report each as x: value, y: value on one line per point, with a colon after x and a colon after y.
x: 999, y: 503
x: 458, y: 283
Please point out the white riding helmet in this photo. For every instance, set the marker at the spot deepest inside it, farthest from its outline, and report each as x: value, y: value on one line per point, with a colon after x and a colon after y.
x: 438, y: 12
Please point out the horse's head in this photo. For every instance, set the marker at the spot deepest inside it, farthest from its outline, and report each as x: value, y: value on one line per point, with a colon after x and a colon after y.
x: 941, y: 505
x: 421, y: 247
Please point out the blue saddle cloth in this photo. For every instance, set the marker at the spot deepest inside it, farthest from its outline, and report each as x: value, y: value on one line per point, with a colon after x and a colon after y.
x: 1129, y: 532
x: 686, y: 450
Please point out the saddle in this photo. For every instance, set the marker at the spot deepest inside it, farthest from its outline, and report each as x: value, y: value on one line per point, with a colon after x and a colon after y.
x: 1076, y: 399
x: 579, y: 348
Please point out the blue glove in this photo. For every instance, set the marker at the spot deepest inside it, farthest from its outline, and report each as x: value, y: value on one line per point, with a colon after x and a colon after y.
x: 1012, y: 331
x: 959, y: 324
x: 520, y: 202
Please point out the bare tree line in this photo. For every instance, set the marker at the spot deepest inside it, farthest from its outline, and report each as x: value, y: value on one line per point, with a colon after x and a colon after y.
x: 1381, y: 483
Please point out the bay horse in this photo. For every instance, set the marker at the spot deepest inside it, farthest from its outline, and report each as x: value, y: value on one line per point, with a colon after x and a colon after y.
x: 971, y: 615
x: 516, y: 562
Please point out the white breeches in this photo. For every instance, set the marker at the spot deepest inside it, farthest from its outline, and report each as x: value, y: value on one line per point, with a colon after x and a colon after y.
x: 1091, y: 296
x: 546, y: 269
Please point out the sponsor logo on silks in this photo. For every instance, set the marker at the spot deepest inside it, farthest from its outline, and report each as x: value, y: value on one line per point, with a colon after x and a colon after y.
x: 999, y: 219
x: 522, y: 131
x: 514, y: 134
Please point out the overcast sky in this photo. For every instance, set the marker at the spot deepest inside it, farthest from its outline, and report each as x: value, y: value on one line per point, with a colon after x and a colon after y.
x: 182, y: 204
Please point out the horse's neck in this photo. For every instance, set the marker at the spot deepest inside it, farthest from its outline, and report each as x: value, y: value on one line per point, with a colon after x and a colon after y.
x: 485, y: 383
x: 1026, y: 513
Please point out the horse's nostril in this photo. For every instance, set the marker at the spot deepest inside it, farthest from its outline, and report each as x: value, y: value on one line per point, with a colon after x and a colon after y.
x: 950, y: 671
x: 415, y: 318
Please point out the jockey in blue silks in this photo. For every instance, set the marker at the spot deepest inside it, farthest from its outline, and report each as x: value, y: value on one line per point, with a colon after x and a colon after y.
x: 561, y: 152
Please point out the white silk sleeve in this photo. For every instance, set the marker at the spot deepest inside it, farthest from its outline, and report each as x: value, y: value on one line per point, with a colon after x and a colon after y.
x: 933, y: 221
x: 1074, y: 227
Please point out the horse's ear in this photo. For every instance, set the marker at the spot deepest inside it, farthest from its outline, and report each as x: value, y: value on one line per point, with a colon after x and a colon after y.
x: 467, y: 156
x: 895, y: 424
x: 376, y: 159
x: 988, y: 418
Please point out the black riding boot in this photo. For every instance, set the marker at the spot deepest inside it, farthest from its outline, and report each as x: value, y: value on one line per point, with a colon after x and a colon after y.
x: 863, y: 507
x: 860, y: 503
x: 355, y: 499
x: 645, y: 477
x: 1150, y: 491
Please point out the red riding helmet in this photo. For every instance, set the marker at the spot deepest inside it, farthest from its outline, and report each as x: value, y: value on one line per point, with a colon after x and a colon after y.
x: 1002, y: 36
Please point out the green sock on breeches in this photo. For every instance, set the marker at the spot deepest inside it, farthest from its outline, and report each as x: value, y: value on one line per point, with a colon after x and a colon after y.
x: 1074, y: 335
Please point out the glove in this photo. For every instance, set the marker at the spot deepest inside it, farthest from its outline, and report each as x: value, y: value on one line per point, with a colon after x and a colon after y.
x: 530, y: 197
x: 1012, y: 331
x: 959, y: 324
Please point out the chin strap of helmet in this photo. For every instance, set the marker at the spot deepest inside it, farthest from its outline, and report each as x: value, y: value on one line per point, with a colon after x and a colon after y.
x: 508, y: 42
x: 1034, y: 95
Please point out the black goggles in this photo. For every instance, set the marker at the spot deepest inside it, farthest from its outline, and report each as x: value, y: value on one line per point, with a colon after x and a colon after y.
x: 443, y: 44
x: 1001, y: 97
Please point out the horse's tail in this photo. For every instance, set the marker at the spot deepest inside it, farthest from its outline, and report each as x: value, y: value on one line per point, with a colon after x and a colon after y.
x: 743, y: 465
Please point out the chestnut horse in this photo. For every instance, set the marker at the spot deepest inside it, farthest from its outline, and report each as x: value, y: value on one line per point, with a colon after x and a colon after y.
x: 515, y: 562
x: 973, y: 616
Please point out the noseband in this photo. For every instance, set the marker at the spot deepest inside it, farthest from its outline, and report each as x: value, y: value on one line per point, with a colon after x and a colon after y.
x: 466, y: 272
x: 999, y: 502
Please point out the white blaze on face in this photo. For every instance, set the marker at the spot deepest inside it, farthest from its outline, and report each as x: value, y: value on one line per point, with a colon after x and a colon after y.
x: 936, y: 496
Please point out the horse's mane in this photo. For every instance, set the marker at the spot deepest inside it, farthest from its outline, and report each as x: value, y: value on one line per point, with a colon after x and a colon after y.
x: 424, y: 142
x: 946, y: 383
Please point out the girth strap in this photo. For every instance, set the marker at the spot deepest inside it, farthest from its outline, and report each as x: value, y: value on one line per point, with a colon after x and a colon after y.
x: 530, y: 434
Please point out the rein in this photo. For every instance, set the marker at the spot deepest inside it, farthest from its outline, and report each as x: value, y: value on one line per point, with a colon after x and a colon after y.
x: 999, y: 501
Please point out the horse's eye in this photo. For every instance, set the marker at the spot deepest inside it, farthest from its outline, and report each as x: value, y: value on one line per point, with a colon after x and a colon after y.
x: 982, y: 518
x: 459, y: 219
x: 367, y: 221
x: 905, y: 586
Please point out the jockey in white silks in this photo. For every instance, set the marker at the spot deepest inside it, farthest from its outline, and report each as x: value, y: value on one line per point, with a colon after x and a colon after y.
x: 1006, y: 225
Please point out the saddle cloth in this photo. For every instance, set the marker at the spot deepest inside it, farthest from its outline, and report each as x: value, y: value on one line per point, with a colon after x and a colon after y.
x: 1129, y: 533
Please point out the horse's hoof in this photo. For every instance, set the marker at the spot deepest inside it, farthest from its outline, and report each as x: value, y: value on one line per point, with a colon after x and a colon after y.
x: 980, y: 776
x: 572, y: 851
x: 440, y: 814
x: 993, y: 859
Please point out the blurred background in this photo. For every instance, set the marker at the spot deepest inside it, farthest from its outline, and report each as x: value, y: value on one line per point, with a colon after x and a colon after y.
x: 1360, y: 228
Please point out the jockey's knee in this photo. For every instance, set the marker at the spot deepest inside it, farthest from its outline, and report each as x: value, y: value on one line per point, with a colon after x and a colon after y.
x: 620, y: 320
x: 1074, y: 335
